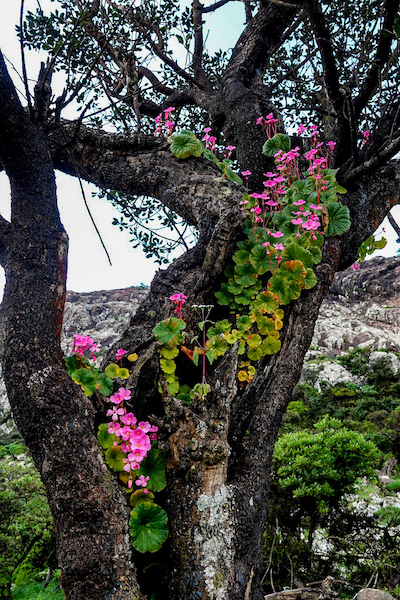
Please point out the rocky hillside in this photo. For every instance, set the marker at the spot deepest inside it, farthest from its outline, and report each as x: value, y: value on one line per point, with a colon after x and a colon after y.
x: 362, y: 310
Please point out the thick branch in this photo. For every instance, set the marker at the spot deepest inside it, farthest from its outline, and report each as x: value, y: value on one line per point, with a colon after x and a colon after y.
x: 5, y: 229
x: 379, y: 60
x: 260, y: 39
x: 394, y: 224
x: 197, y: 10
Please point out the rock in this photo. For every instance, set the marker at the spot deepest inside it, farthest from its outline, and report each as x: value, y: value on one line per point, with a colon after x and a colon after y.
x: 322, y: 375
x: 385, y: 359
x: 372, y: 594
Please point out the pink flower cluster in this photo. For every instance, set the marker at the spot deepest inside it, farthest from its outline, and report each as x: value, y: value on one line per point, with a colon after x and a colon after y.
x: 269, y: 124
x: 265, y: 205
x: 179, y: 300
x: 83, y: 343
x: 365, y: 138
x: 135, y: 437
x: 164, y: 125
x: 120, y: 353
x: 210, y: 140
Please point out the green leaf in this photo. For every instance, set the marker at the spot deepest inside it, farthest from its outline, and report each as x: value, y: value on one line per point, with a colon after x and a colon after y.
x: 232, y: 176
x: 255, y: 353
x: 153, y: 467
x: 139, y: 496
x: 106, y: 439
x: 104, y: 384
x: 244, y: 323
x: 219, y: 327
x: 311, y: 280
x: 280, y: 141
x: 265, y: 325
x: 241, y: 257
x: 293, y: 270
x: 339, y: 219
x: 111, y: 371
x: 279, y: 285
x: 86, y: 379
x: 148, y: 527
x: 123, y: 373
x: 167, y: 352
x: 169, y: 332
x: 295, y: 252
x: 265, y: 302
x: 245, y: 275
x: 115, y: 458
x: 223, y: 296
x: 173, y: 387
x: 260, y: 260
x: 184, y: 145
x: 271, y: 345
x: 167, y: 365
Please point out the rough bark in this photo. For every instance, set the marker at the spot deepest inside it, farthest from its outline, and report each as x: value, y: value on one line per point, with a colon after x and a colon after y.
x: 55, y: 419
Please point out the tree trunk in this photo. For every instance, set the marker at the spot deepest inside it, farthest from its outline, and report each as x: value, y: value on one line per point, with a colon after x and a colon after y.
x: 54, y: 417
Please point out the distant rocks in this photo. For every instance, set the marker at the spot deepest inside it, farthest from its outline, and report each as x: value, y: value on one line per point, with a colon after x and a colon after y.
x: 361, y: 310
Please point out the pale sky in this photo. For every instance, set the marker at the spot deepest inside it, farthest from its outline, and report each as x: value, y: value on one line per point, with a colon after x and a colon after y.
x: 130, y: 267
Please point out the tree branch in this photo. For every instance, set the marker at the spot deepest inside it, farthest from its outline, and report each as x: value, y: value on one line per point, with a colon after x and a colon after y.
x: 324, y: 43
x: 137, y: 165
x: 394, y: 224
x: 215, y: 6
x: 371, y: 81
x: 197, y: 10
x: 262, y: 36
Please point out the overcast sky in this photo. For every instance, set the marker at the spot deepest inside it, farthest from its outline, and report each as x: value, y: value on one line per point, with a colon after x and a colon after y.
x: 130, y: 267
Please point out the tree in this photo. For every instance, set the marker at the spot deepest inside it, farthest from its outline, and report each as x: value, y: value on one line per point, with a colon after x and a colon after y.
x: 337, y: 63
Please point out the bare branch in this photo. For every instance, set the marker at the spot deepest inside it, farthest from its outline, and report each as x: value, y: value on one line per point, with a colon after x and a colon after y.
x: 379, y: 60
x: 22, y: 46
x: 215, y: 6
x: 197, y: 10
x: 324, y: 43
x: 394, y: 224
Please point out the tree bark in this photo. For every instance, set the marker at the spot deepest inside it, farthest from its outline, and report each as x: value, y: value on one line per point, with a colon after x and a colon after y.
x: 54, y: 417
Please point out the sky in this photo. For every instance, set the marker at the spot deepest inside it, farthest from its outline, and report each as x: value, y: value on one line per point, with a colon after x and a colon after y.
x: 129, y: 266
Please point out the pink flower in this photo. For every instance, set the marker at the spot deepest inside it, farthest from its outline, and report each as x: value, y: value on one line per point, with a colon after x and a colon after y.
x: 116, y: 398
x: 124, y: 394
x: 246, y: 173
x: 279, y: 247
x: 207, y: 129
x: 277, y: 234
x: 129, y: 419
x: 299, y: 202
x: 142, y: 481
x: 120, y: 353
x: 297, y: 221
x: 355, y: 267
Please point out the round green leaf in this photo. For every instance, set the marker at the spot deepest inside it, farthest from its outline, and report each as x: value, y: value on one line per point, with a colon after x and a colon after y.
x: 139, y: 496
x: 105, y: 384
x: 167, y: 365
x: 245, y: 275
x: 271, y: 345
x: 167, y: 352
x: 148, y: 527
x: 123, y: 373
x: 169, y: 332
x: 280, y: 141
x: 296, y: 252
x: 111, y: 371
x: 339, y: 219
x: 184, y: 145
x: 311, y: 280
x: 260, y: 260
x: 106, y: 439
x: 153, y: 467
x: 115, y: 458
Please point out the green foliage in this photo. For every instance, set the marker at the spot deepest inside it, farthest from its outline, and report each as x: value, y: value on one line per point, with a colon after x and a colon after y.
x: 280, y: 141
x: 369, y: 246
x: 324, y: 466
x: 34, y: 591
x: 153, y: 466
x: 25, y: 520
x: 148, y: 527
